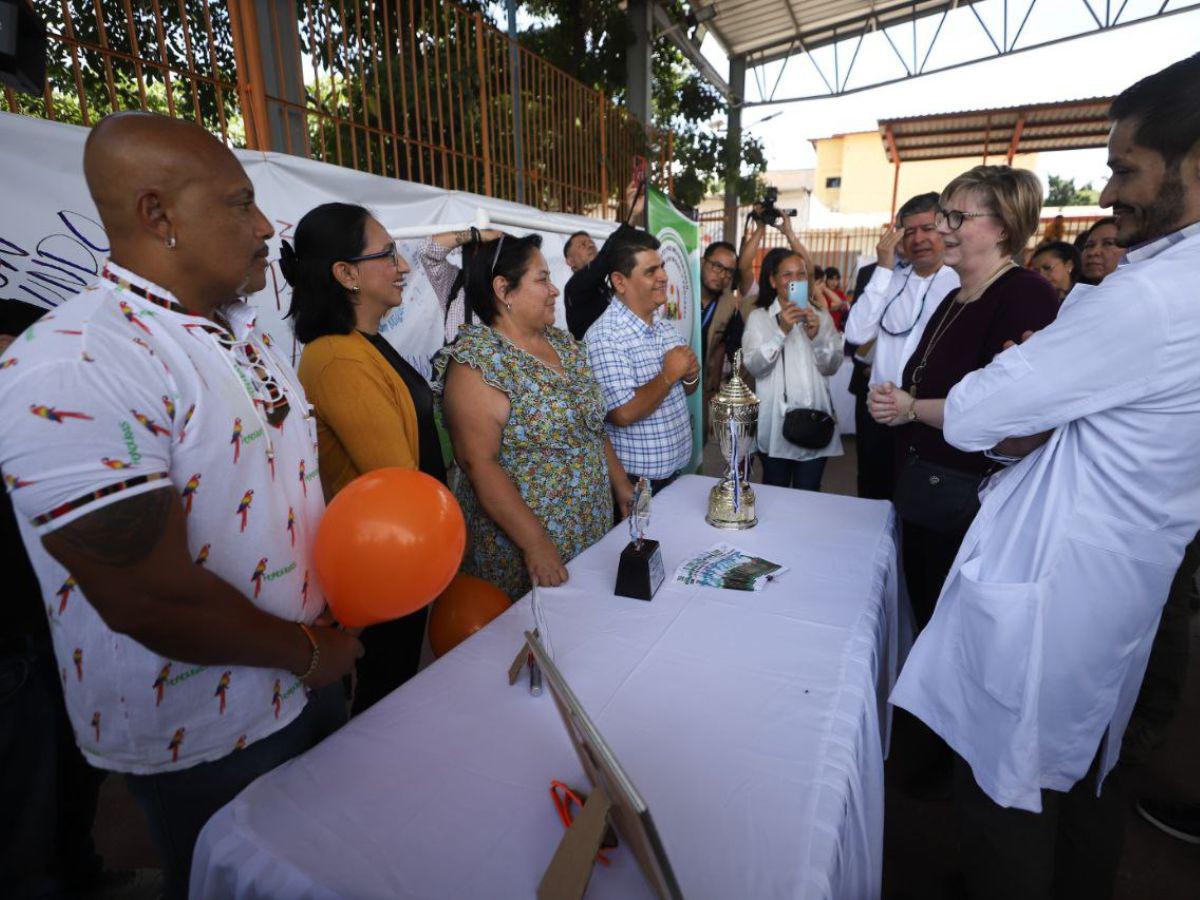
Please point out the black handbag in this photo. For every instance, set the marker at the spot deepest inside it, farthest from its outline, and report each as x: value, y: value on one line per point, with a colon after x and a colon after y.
x: 940, y: 498
x: 811, y: 429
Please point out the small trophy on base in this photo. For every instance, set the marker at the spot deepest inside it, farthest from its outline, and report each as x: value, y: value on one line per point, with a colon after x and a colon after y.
x: 640, y: 572
x: 734, y: 416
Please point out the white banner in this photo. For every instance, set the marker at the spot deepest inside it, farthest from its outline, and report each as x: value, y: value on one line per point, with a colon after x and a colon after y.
x: 52, y: 244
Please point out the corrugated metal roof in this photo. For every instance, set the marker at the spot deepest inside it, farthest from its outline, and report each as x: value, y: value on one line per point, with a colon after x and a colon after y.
x: 1069, y: 125
x: 771, y: 29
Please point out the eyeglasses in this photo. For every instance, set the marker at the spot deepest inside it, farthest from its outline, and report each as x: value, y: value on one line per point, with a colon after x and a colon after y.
x: 724, y: 270
x: 954, y: 218
x: 390, y: 251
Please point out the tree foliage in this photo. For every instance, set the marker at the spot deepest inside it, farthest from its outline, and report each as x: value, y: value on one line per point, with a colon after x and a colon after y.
x: 1064, y: 193
x: 590, y: 38
x: 83, y: 77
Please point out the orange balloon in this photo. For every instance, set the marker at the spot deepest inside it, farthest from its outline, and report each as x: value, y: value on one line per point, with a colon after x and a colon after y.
x: 464, y: 607
x: 389, y: 542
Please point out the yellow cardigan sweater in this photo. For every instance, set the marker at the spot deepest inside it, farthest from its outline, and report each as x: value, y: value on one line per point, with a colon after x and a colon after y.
x: 365, y: 415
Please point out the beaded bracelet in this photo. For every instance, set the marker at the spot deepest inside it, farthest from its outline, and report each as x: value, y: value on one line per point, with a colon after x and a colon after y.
x: 316, y: 651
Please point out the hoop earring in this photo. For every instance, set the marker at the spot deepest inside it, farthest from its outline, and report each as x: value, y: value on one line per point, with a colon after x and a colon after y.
x: 171, y: 242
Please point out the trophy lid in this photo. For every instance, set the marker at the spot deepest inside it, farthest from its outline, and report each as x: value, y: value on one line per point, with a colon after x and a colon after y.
x: 735, y: 392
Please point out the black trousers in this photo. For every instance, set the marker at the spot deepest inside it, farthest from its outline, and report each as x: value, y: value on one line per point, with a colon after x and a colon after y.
x: 178, y: 804
x: 48, y: 792
x: 392, y: 655
x: 656, y: 484
x: 1069, y: 850
x: 876, y: 454
x: 927, y: 557
x: 1166, y: 671
x: 923, y: 759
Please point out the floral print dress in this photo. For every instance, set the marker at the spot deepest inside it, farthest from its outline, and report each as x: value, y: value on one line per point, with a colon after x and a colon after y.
x: 552, y: 448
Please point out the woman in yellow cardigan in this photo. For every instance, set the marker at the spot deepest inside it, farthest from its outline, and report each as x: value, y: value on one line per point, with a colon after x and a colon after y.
x: 373, y: 409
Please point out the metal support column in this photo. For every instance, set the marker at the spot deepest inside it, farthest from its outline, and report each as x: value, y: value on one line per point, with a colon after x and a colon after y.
x: 733, y: 147
x: 894, y: 153
x: 637, y: 59
x: 514, y: 65
x: 269, y: 72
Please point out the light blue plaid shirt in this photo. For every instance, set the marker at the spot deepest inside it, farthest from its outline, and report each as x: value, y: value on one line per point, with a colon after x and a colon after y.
x: 626, y: 353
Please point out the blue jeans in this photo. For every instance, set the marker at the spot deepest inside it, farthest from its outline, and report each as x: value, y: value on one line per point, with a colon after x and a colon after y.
x: 177, y: 804
x: 804, y: 475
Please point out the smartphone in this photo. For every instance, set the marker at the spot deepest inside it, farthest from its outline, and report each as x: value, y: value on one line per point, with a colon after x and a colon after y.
x: 798, y: 293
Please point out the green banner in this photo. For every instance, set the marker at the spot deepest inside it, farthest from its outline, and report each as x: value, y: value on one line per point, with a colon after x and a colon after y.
x: 680, y: 239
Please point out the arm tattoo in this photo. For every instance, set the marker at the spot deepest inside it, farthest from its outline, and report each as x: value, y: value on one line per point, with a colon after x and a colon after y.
x: 120, y: 534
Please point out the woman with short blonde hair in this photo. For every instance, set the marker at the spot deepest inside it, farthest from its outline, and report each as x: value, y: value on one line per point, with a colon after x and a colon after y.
x: 1012, y: 196
x: 985, y: 217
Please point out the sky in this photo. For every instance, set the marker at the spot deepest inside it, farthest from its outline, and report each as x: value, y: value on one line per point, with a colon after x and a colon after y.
x: 1092, y: 66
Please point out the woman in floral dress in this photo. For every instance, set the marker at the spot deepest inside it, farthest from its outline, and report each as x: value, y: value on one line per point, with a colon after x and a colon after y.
x: 526, y: 419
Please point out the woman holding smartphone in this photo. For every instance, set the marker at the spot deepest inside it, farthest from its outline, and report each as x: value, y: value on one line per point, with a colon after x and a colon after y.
x: 790, y: 346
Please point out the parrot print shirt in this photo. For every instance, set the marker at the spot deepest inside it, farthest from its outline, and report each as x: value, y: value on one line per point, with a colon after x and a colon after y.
x: 121, y: 391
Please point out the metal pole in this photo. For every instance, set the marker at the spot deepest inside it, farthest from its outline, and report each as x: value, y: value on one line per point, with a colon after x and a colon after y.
x: 637, y: 60
x: 480, y: 37
x: 733, y: 147
x: 514, y: 64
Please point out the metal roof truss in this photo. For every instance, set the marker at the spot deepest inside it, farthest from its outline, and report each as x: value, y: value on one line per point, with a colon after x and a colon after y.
x: 767, y: 31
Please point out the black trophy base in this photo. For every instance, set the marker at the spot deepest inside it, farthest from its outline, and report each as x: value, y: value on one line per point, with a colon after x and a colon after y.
x: 640, y: 572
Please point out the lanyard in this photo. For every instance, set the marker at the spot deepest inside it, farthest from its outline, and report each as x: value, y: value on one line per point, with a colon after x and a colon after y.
x: 898, y: 295
x: 708, y: 313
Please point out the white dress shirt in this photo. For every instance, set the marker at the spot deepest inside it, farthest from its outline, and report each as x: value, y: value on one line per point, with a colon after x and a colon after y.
x: 1039, y: 641
x: 893, y: 310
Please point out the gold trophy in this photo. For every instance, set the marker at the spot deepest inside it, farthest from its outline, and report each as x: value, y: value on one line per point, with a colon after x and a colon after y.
x: 734, y: 416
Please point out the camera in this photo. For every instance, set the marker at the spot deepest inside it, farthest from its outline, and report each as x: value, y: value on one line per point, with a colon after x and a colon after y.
x: 770, y: 213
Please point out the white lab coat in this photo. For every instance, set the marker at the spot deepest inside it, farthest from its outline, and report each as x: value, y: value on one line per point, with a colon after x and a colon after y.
x: 808, y: 362
x: 908, y: 289
x: 1040, y: 638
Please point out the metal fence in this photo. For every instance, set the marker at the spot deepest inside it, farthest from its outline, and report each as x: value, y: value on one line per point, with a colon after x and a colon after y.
x: 411, y: 89
x: 842, y: 247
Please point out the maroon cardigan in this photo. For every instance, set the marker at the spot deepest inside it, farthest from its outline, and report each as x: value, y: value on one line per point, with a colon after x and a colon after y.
x: 1020, y: 300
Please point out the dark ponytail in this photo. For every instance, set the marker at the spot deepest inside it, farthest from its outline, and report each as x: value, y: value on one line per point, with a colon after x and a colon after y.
x: 327, y: 234
x: 507, y: 258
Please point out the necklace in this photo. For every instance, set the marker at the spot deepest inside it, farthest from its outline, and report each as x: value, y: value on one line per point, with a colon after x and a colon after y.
x: 949, y: 317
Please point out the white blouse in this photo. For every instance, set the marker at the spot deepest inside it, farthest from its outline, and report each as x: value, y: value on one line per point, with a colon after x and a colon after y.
x: 808, y: 363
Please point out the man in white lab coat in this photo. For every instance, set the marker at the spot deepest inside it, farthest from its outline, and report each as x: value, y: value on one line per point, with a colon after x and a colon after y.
x: 893, y: 310
x: 1033, y: 659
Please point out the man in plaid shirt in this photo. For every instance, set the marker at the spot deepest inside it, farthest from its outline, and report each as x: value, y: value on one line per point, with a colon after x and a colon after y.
x: 644, y: 367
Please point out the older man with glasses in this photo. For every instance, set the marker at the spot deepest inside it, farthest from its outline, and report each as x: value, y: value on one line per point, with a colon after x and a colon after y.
x: 892, y: 311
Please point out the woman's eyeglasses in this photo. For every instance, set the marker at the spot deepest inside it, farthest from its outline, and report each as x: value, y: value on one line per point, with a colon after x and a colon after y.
x: 954, y: 218
x: 391, y: 251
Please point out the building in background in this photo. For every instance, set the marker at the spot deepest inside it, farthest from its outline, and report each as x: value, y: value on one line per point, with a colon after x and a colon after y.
x: 853, y: 181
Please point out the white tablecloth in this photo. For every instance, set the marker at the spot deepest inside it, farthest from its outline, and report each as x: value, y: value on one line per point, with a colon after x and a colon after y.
x: 752, y: 724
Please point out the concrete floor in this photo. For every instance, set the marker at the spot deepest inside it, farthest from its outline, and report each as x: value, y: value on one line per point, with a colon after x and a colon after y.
x: 919, y: 837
